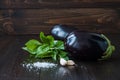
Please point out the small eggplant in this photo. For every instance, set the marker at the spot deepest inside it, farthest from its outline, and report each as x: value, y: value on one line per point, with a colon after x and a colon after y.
x: 60, y: 31
x: 88, y: 46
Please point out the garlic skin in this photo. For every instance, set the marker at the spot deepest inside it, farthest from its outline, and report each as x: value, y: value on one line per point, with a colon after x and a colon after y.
x: 63, y: 62
x: 70, y: 63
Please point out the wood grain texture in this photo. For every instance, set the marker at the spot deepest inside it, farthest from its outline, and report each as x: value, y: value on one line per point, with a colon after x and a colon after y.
x: 1, y: 17
x: 21, y: 17
x: 5, y: 4
x: 12, y: 58
x: 32, y: 21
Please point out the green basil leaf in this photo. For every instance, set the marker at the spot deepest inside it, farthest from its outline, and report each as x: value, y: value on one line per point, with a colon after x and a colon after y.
x: 43, y: 37
x: 46, y: 39
x: 59, y: 44
x: 32, y: 44
x: 54, y: 55
x: 44, y: 55
x: 42, y: 50
x: 31, y: 52
x: 50, y: 40
x: 63, y: 54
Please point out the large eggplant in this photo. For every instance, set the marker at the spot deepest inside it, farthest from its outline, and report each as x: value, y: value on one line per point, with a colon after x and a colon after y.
x: 60, y: 31
x: 88, y: 46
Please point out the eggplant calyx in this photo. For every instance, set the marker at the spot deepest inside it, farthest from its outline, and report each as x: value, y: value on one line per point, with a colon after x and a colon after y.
x: 107, y: 54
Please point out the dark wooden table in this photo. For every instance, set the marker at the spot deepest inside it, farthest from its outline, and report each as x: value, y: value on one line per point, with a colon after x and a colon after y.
x: 12, y: 56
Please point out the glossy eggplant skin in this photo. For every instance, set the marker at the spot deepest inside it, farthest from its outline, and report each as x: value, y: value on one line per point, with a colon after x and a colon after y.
x: 85, y: 45
x: 59, y: 32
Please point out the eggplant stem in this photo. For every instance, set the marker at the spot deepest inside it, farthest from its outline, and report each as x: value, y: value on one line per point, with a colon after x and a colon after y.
x: 107, y: 54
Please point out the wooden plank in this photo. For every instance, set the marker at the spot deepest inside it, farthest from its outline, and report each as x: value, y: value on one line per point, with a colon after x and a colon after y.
x: 5, y: 41
x: 1, y: 23
x: 32, y: 21
x: 25, y: 30
x: 5, y: 4
x: 7, y: 58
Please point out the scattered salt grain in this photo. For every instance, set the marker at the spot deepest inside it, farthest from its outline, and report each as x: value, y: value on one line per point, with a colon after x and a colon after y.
x: 38, y: 65
x: 44, y: 65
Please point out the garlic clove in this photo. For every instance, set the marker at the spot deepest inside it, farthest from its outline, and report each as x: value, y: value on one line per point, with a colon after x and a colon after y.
x: 63, y: 62
x: 70, y: 63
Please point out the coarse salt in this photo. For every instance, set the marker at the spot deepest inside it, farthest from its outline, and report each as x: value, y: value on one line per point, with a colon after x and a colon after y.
x: 44, y: 65
x: 38, y: 65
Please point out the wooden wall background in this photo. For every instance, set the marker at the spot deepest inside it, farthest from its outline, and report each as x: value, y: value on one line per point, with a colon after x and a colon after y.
x: 20, y: 17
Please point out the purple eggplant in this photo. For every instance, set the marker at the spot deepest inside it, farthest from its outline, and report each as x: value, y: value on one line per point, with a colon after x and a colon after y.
x: 83, y: 45
x: 60, y: 31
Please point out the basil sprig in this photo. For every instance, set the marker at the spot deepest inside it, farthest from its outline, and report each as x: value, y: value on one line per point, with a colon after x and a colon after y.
x: 46, y: 47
